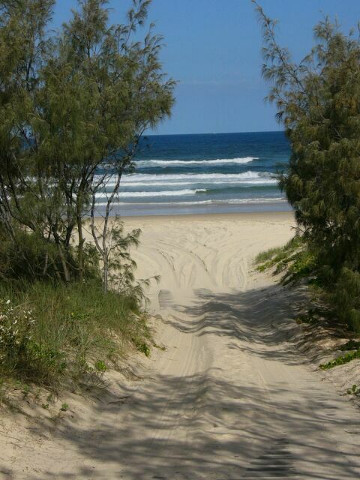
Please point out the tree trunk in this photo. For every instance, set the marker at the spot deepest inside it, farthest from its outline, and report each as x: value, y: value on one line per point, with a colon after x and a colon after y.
x: 106, y: 274
x: 64, y: 264
x: 62, y: 256
x: 80, y: 249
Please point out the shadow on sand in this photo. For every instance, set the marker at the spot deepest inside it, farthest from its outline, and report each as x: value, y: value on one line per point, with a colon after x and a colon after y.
x: 206, y: 426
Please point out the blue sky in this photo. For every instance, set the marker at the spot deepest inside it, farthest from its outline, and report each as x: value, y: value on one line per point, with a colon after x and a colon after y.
x: 213, y: 49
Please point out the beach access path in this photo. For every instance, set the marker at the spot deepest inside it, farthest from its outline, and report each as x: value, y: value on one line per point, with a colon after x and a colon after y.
x: 226, y: 396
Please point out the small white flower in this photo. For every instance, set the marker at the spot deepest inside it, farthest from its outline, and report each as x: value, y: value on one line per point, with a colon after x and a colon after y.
x: 8, y: 302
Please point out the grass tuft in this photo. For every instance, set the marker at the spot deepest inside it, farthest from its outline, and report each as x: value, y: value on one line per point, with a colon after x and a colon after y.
x: 268, y: 255
x: 51, y: 335
x: 341, y: 360
x: 294, y: 259
x: 350, y: 345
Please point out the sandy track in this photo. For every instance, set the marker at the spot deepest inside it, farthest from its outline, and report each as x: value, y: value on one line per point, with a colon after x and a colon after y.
x: 206, y: 252
x: 229, y: 398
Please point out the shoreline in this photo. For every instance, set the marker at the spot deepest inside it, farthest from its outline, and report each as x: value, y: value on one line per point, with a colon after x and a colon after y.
x: 288, y: 215
x: 166, y: 209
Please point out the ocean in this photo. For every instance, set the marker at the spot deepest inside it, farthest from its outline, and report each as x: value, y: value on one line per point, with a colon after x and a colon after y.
x: 205, y: 173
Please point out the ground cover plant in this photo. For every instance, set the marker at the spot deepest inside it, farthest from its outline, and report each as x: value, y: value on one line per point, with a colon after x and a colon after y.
x: 56, y: 335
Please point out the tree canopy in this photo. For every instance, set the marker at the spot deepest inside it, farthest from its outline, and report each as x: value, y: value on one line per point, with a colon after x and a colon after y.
x: 318, y: 102
x: 73, y: 106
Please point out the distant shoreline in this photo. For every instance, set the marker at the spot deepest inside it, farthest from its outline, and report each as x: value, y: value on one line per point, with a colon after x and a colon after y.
x: 210, y: 133
x: 192, y: 217
x: 159, y: 210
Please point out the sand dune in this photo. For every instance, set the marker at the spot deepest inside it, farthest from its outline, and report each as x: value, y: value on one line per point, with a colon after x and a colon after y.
x: 229, y: 398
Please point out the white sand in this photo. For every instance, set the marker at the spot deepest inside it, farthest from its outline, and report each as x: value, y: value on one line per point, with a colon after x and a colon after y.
x: 213, y: 252
x: 229, y: 398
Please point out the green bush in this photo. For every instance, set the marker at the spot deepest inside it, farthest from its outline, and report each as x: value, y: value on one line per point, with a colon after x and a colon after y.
x: 295, y: 259
x: 341, y: 360
x: 346, y: 298
x: 350, y: 345
x: 50, y: 334
x: 338, y: 289
x: 30, y: 257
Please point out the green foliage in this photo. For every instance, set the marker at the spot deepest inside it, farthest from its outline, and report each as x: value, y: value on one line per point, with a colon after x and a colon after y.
x: 143, y: 348
x: 341, y: 360
x: 73, y: 106
x: 351, y: 345
x: 100, y: 366
x: 117, y: 265
x: 354, y: 390
x: 294, y: 259
x: 268, y: 255
x: 27, y: 256
x: 346, y: 297
x: 64, y: 407
x: 50, y: 334
x: 21, y: 350
x: 318, y: 103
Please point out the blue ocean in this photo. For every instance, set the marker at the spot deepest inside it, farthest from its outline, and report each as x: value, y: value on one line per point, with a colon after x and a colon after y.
x: 212, y: 173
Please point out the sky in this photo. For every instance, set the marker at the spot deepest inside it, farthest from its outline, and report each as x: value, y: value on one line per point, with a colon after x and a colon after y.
x: 212, y: 48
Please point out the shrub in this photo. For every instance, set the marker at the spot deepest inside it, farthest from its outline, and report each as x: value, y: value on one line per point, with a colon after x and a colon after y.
x: 346, y: 298
x: 295, y: 259
x: 29, y: 257
x: 341, y: 360
x: 50, y: 334
x: 21, y: 352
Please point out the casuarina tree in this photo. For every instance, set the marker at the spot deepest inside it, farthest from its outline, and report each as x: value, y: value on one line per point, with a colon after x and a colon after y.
x: 73, y: 106
x: 318, y: 102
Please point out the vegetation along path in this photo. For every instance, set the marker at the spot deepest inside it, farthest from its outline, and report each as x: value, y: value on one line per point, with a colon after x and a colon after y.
x: 229, y: 397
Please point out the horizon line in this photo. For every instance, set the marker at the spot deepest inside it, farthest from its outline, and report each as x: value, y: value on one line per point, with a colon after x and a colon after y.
x: 209, y: 133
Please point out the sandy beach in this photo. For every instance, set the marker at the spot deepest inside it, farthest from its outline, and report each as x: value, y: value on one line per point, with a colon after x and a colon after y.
x: 196, y: 253
x: 226, y: 396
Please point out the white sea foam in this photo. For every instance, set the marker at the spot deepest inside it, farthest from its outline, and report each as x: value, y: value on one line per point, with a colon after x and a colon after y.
x: 196, y: 176
x: 232, y: 201
x: 236, y: 201
x: 190, y: 178
x: 156, y: 186
x: 163, y: 193
x: 178, y: 163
